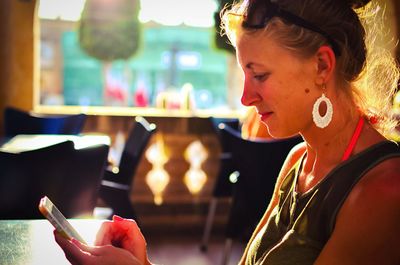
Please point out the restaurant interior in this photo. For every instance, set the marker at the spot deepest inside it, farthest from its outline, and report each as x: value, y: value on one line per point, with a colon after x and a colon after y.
x: 146, y: 136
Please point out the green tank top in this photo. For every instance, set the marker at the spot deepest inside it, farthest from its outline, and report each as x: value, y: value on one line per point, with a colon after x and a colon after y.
x: 301, y: 224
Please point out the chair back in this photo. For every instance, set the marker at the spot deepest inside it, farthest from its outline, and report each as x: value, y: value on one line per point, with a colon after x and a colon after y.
x: 133, y: 150
x: 81, y: 187
x: 258, y: 163
x: 69, y: 176
x: 17, y: 121
x: 223, y: 186
x: 116, y: 187
x: 234, y: 123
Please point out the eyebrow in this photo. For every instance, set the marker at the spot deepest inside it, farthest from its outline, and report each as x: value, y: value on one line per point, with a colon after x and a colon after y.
x: 252, y: 64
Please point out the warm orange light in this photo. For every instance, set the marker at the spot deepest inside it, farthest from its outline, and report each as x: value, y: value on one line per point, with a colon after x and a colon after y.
x: 157, y: 178
x: 195, y: 178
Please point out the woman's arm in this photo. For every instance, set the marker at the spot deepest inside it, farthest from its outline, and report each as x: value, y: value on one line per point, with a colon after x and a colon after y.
x: 367, y: 229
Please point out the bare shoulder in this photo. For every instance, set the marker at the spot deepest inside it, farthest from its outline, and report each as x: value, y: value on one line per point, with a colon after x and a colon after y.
x: 293, y: 156
x: 381, y: 185
x: 368, y: 220
x: 389, y: 167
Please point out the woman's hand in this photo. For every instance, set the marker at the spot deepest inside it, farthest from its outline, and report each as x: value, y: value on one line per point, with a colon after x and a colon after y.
x: 117, y: 242
x: 80, y: 254
x: 123, y: 233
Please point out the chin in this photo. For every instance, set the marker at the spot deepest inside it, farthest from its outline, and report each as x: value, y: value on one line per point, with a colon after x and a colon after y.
x: 280, y: 134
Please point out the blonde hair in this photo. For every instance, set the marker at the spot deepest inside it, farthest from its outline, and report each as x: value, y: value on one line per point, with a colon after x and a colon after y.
x: 376, y: 85
x: 367, y: 73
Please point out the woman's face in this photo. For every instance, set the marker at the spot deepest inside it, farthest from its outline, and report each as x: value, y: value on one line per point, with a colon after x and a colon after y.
x: 280, y: 85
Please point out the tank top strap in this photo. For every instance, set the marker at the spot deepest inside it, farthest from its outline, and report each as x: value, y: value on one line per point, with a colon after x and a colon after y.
x: 343, y: 178
x: 354, y: 139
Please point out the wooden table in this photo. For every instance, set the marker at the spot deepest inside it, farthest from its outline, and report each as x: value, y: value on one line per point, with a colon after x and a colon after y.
x: 29, y: 142
x: 31, y: 242
x: 67, y: 168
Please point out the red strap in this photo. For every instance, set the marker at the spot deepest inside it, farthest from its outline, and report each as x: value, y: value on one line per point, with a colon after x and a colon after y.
x: 354, y: 139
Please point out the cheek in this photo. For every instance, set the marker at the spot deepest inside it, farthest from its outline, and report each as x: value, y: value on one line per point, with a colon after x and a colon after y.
x: 293, y: 101
x: 285, y: 94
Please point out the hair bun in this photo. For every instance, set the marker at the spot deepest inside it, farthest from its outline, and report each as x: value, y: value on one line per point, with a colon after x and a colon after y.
x: 356, y: 3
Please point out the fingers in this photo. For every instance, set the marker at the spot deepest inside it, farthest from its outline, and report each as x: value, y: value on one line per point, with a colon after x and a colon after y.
x: 83, y: 247
x: 123, y: 233
x: 72, y: 252
x: 81, y: 254
x: 114, y: 232
x: 131, y: 238
x: 105, y: 234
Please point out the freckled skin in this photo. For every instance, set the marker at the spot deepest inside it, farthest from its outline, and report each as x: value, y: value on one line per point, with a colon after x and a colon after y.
x: 281, y: 90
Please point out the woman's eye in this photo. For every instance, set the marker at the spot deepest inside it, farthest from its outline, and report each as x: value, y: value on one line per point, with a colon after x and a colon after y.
x: 260, y: 77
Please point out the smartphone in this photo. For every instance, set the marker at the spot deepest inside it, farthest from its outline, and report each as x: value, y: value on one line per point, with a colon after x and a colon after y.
x: 58, y: 220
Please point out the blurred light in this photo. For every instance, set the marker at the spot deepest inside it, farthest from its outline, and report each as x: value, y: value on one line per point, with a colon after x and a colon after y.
x: 157, y: 178
x: 195, y: 178
x: 234, y: 176
x: 176, y: 12
x: 396, y: 101
x: 189, y: 59
x: 165, y: 12
x: 59, y: 9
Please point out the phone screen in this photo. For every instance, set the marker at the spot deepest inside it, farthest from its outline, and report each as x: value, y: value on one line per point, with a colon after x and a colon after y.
x: 58, y: 220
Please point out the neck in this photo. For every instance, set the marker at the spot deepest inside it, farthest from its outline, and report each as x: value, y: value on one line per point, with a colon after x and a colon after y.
x: 325, y: 147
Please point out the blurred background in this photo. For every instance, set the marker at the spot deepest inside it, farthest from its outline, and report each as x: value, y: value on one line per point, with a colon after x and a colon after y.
x: 164, y: 60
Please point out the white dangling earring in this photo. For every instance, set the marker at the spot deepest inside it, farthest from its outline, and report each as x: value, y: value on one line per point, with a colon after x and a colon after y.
x: 322, y: 121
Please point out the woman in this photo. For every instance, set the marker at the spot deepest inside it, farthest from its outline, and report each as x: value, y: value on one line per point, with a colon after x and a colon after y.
x: 337, y: 198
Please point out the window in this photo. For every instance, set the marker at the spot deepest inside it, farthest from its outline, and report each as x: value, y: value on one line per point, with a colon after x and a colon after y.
x: 175, y: 67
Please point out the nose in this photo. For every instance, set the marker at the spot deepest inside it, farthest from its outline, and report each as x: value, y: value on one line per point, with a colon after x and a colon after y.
x: 249, y: 97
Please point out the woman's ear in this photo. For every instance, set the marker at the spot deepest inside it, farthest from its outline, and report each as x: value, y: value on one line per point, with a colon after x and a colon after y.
x: 326, y: 63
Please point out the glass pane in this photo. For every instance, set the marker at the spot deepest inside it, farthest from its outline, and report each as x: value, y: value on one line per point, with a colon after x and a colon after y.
x: 176, y: 65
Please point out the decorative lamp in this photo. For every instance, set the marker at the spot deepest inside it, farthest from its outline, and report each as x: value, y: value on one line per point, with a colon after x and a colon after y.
x: 157, y: 178
x: 195, y: 177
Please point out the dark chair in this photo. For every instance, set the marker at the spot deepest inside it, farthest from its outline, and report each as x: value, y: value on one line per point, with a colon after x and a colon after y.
x: 69, y: 177
x: 258, y: 163
x: 115, y: 187
x: 223, y: 183
x: 17, y: 121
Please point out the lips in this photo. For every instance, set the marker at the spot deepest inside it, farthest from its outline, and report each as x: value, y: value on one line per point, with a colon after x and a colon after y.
x: 265, y: 115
